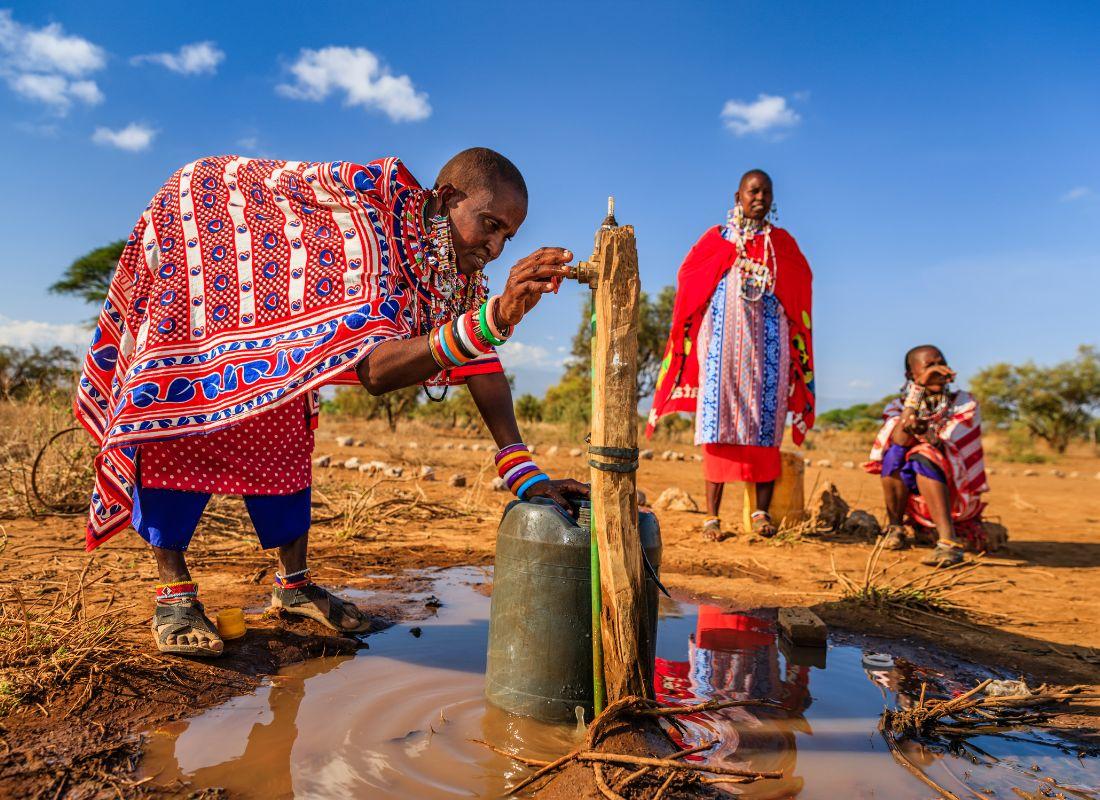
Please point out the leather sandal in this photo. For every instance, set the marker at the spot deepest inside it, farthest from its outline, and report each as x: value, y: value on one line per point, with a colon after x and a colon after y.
x: 181, y: 618
x: 302, y: 602
x: 762, y: 524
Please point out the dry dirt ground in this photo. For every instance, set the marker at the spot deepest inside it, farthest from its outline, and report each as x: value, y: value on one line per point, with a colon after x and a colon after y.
x: 68, y: 724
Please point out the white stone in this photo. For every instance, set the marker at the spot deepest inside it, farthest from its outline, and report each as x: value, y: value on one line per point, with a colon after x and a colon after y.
x: 322, y: 461
x: 552, y: 450
x: 367, y: 468
x: 1057, y: 473
x: 849, y: 465
x: 460, y: 446
x: 576, y: 451
x: 360, y: 443
x: 427, y: 473
x: 1074, y: 474
x: 413, y: 446
x: 532, y: 449
x: 824, y: 463
x: 499, y: 485
x: 345, y: 441
x: 1030, y: 473
x: 676, y: 499
x: 645, y: 455
x: 394, y: 472
x: 458, y: 480
x: 352, y: 463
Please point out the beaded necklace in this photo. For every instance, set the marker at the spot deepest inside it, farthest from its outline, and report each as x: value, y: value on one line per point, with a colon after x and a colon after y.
x: 757, y: 278
x: 450, y: 293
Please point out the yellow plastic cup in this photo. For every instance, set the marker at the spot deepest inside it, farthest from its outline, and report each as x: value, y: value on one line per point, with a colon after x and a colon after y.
x: 231, y: 623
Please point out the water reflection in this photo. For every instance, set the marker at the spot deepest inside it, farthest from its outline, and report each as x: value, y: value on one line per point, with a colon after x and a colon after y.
x: 396, y: 721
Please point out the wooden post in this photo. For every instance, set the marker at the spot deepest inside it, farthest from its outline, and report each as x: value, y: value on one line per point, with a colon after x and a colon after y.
x: 626, y: 649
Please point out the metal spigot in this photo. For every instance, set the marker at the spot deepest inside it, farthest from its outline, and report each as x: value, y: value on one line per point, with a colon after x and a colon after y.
x: 583, y: 272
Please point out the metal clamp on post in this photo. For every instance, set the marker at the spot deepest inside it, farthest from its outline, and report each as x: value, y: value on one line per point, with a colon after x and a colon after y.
x: 614, y: 452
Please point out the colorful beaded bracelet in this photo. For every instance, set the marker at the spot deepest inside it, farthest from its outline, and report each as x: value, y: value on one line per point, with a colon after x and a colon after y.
x: 518, y: 470
x: 464, y: 338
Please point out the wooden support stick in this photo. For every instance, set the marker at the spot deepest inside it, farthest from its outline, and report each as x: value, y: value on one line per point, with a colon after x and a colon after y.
x: 628, y: 666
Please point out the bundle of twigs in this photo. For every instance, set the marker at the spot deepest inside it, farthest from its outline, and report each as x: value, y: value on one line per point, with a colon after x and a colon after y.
x: 930, y: 591
x: 640, y: 776
x: 970, y: 714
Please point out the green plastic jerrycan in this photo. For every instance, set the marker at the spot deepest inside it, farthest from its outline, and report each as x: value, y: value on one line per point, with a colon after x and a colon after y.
x: 540, y: 622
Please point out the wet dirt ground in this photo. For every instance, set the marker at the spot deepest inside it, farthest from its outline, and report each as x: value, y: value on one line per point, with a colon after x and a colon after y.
x: 1040, y: 621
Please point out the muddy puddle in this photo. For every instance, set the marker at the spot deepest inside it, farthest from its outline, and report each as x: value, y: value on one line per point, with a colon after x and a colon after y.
x: 395, y: 720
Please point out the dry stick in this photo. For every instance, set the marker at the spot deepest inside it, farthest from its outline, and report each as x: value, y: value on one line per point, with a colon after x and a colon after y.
x: 900, y: 757
x: 664, y: 786
x: 530, y: 762
x: 679, y: 754
x: 553, y: 765
x: 664, y: 763
x: 601, y: 784
x: 712, y: 705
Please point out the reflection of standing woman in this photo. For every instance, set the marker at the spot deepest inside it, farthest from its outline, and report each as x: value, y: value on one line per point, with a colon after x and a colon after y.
x: 740, y: 353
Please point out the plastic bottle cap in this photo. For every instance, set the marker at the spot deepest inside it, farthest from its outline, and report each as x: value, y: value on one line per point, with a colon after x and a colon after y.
x: 231, y: 623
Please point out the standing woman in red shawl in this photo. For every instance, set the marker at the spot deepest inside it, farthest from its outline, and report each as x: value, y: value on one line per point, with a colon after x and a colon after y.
x: 739, y: 354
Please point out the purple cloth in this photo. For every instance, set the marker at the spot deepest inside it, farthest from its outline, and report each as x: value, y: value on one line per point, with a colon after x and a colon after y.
x: 897, y: 464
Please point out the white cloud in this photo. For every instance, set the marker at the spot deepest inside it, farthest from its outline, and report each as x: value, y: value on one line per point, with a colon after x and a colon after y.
x: 361, y: 77
x: 1076, y: 193
x: 859, y: 383
x: 248, y: 142
x: 765, y: 113
x: 134, y: 137
x: 31, y: 333
x: 519, y: 355
x: 198, y: 58
x: 46, y: 65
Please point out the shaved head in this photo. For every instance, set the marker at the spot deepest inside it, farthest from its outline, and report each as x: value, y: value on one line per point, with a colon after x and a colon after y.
x: 759, y: 173
x: 915, y: 357
x: 481, y: 168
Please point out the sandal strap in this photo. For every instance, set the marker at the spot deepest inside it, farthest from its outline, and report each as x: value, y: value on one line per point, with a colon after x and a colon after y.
x: 175, y: 617
x: 311, y: 592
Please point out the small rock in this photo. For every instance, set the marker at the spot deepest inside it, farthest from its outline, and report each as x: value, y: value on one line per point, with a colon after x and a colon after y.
x: 824, y: 463
x: 849, y: 465
x: 645, y: 455
x: 352, y: 463
x: 345, y: 441
x: 499, y: 485
x: 413, y: 446
x: 991, y: 471
x: 552, y: 451
x: 360, y: 443
x: 862, y: 524
x: 458, y: 481
x: 427, y: 473
x: 460, y: 446
x: 827, y: 508
x: 322, y: 461
x: 1030, y: 473
x: 1074, y: 474
x: 394, y: 472
x: 576, y: 451
x: 807, y: 462
x: 696, y: 457
x: 676, y: 499
x: 1057, y: 473
x: 433, y: 602
x: 368, y: 468
x: 532, y: 449
x: 416, y: 631
x: 448, y: 445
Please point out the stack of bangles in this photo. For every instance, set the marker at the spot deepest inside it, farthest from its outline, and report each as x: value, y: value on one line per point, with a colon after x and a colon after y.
x: 467, y: 337
x: 518, y: 470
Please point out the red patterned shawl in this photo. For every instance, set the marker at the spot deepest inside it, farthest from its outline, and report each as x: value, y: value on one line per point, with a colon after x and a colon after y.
x: 245, y: 284
x: 710, y: 259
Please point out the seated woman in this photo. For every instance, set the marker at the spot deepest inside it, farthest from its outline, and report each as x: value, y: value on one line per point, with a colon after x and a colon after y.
x: 929, y: 454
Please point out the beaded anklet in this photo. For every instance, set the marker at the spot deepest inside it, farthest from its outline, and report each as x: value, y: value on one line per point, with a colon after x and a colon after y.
x: 293, y: 580
x: 518, y: 469
x: 171, y: 593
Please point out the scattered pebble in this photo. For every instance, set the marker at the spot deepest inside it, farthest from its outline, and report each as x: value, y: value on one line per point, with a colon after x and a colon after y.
x: 427, y: 473
x: 552, y: 451
x: 576, y: 451
x: 460, y: 446
x: 1057, y: 473
x: 991, y: 471
x: 849, y: 465
x: 532, y: 449
x: 807, y: 462
x: 368, y: 468
x: 824, y: 463
x: 448, y: 445
x: 1074, y: 474
x: 360, y: 443
x: 345, y: 441
x: 413, y: 446
x: 1030, y: 473
x: 696, y: 457
x: 458, y: 481
x: 676, y: 499
x: 394, y: 472
x: 499, y: 485
x: 322, y: 461
x: 416, y: 631
x: 352, y: 463
x: 433, y: 602
x: 645, y: 455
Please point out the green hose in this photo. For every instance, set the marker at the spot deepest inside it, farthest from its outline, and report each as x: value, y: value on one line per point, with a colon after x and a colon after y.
x: 598, y: 694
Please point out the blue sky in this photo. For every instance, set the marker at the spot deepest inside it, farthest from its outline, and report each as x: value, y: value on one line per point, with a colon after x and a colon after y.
x: 938, y: 163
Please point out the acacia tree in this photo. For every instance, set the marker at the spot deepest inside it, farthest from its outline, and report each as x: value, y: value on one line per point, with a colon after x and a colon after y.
x: 89, y: 276
x: 391, y: 406
x: 1055, y: 403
